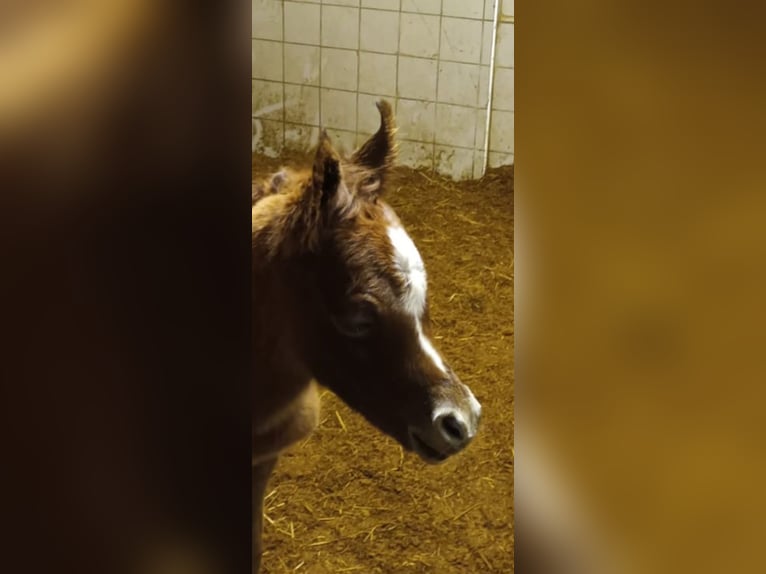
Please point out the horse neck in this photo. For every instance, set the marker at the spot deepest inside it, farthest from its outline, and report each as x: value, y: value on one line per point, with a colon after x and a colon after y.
x: 280, y: 371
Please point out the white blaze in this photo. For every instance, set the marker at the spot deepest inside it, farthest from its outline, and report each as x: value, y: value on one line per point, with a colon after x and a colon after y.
x: 410, y: 263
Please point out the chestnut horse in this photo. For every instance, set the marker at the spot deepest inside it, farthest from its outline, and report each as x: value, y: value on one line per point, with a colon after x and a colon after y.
x: 339, y: 299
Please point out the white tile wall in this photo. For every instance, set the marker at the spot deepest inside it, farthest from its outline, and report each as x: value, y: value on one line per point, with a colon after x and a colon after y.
x: 339, y: 68
x: 416, y: 154
x: 501, y: 133
x: 481, y: 130
x: 301, y: 137
x: 489, y: 8
x: 497, y: 159
x: 326, y: 62
x: 302, y: 64
x: 501, y: 139
x: 377, y: 74
x: 456, y: 125
x: 301, y: 22
x: 416, y: 120
x: 458, y: 83
x: 340, y: 27
x: 453, y: 161
x: 267, y: 60
x: 267, y: 100
x: 504, y: 48
x: 268, y: 136
x: 302, y: 104
x: 422, y: 6
x: 417, y: 78
x: 343, y: 2
x: 483, y: 87
x: 462, y: 9
x: 267, y: 20
x: 461, y: 40
x: 381, y: 4
x: 338, y: 109
x: 419, y: 36
x: 379, y: 31
x: 486, y: 41
x: 503, y: 90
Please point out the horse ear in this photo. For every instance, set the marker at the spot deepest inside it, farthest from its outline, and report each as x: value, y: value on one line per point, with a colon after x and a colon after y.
x: 379, y: 152
x: 326, y: 171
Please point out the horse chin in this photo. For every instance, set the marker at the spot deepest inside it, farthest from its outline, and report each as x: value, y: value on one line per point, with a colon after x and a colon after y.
x: 426, y: 453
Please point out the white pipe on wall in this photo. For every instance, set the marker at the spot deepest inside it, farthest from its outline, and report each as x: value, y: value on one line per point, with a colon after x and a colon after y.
x: 495, y: 23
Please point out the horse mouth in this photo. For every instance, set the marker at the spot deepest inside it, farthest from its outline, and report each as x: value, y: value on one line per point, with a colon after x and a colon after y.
x: 426, y: 452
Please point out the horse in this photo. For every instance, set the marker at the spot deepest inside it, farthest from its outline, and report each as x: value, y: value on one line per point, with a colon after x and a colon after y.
x: 339, y: 298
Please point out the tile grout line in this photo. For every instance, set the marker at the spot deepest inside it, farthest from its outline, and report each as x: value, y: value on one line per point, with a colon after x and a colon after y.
x: 482, y: 19
x: 363, y: 93
x: 410, y: 140
x: 443, y: 60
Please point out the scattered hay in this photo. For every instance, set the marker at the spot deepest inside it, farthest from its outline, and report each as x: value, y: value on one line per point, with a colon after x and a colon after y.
x: 348, y: 499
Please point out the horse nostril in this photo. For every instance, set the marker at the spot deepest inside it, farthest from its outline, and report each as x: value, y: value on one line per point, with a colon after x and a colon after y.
x: 453, y: 428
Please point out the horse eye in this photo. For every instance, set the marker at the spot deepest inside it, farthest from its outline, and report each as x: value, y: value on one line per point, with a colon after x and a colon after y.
x: 357, y: 322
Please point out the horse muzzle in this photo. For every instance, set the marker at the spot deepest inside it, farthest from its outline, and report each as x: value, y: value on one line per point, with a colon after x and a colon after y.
x: 450, y: 430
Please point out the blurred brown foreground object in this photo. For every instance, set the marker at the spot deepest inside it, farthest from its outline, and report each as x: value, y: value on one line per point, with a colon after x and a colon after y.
x: 641, y: 257
x: 124, y: 169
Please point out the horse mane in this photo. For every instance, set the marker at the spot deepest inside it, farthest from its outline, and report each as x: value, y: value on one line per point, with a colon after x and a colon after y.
x: 284, y: 221
x: 268, y: 186
x: 290, y: 208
